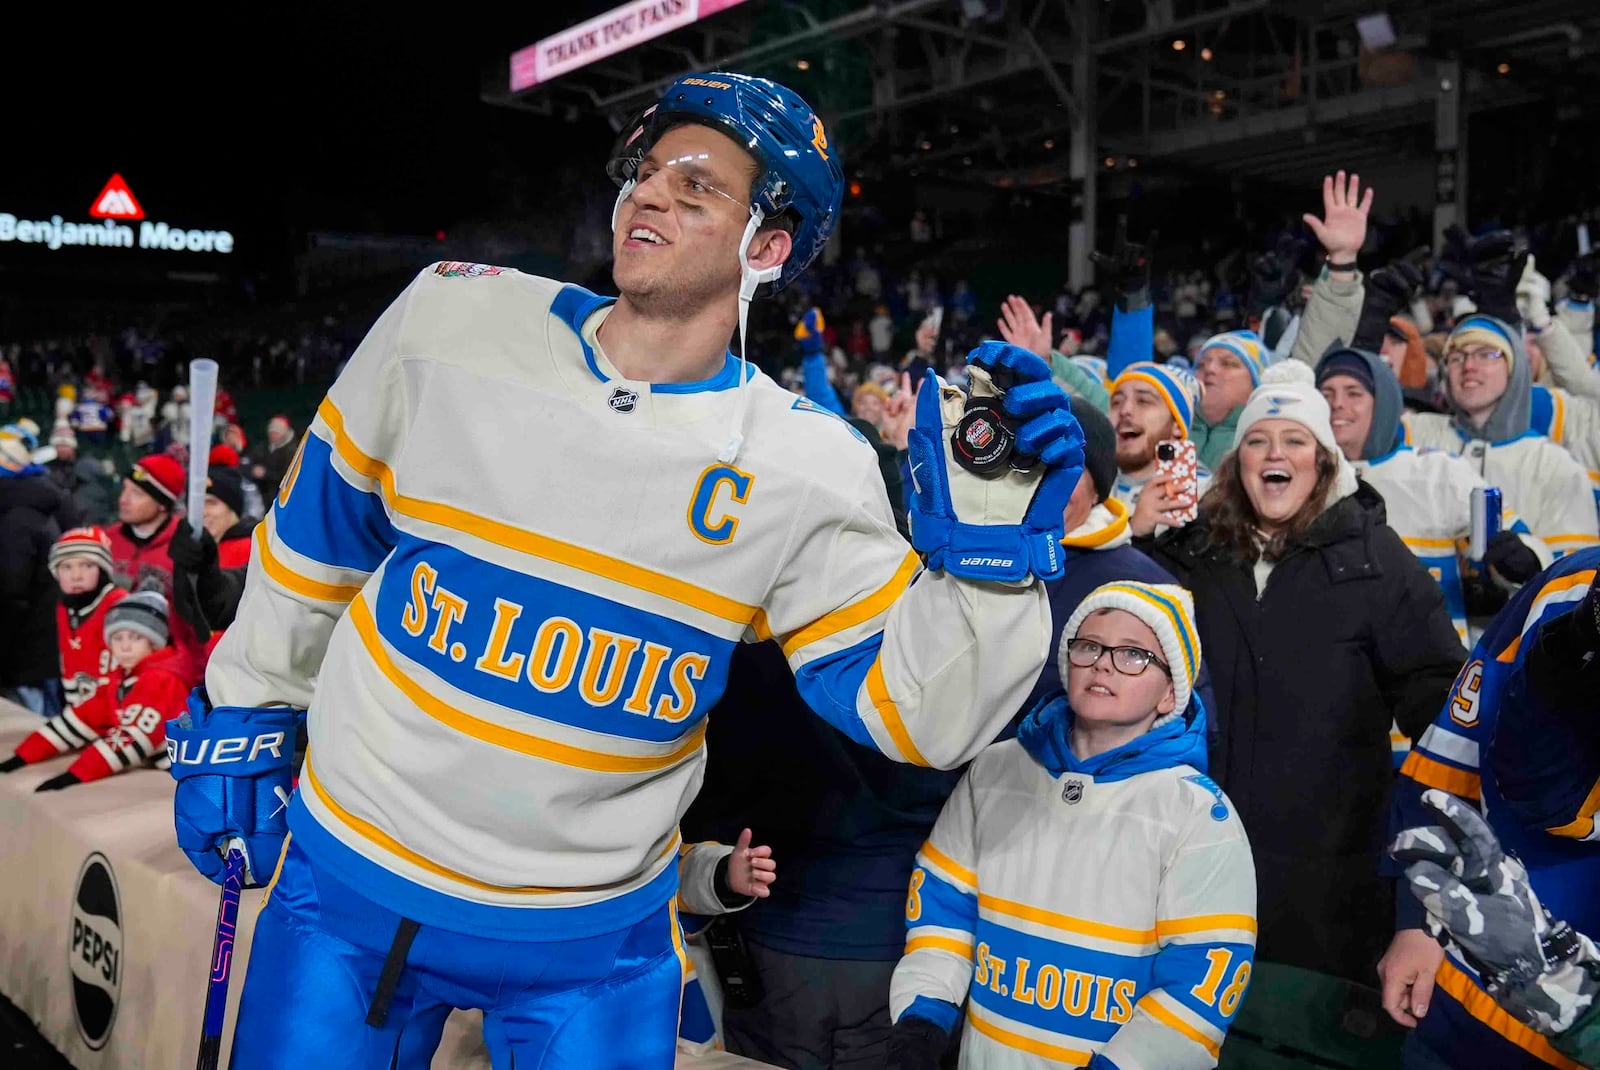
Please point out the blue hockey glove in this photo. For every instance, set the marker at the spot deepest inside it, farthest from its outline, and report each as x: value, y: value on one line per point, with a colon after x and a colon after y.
x: 1007, y: 527
x: 235, y: 770
x: 808, y: 332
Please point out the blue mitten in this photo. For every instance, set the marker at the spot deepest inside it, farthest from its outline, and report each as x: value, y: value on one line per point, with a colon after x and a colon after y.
x: 235, y: 770
x: 808, y: 332
x: 1007, y: 527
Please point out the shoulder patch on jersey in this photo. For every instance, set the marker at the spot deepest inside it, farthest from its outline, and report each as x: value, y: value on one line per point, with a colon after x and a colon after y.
x: 807, y: 405
x: 460, y: 269
x: 1219, y: 808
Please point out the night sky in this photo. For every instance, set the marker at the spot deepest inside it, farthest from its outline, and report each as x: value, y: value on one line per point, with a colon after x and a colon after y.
x: 324, y: 117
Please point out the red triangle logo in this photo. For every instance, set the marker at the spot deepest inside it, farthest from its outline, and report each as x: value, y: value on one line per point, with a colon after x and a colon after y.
x: 116, y: 201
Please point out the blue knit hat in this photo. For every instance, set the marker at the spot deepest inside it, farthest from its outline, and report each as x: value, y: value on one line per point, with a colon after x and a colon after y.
x: 1247, y: 346
x: 1177, y: 388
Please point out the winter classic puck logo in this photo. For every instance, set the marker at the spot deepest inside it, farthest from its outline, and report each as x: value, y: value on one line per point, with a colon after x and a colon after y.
x: 622, y: 400
x: 979, y: 434
x: 95, y: 953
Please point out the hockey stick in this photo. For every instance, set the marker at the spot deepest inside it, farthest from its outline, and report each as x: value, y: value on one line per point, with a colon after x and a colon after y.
x: 221, y: 959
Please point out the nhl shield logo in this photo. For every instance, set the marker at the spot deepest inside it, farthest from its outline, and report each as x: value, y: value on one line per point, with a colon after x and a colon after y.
x: 623, y: 400
x: 1072, y: 791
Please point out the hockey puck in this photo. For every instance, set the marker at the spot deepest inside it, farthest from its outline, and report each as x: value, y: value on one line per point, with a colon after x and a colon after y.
x: 982, y: 442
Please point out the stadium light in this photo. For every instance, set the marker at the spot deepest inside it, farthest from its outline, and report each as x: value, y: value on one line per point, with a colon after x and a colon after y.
x: 802, y: 65
x: 1206, y: 54
x: 1049, y: 142
x: 1179, y: 45
x: 1377, y: 32
x: 1504, y: 68
x: 1111, y: 161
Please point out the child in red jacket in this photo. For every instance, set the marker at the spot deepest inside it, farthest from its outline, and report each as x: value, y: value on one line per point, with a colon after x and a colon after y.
x: 124, y: 724
x: 81, y: 563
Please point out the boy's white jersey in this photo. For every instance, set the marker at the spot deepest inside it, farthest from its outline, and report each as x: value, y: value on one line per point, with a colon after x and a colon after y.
x: 1074, y: 914
x: 506, y: 582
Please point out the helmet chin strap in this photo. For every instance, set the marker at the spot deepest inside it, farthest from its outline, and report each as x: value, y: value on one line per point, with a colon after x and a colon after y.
x: 749, y: 279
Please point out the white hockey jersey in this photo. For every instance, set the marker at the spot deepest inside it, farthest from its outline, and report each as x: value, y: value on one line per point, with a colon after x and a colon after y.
x: 1427, y: 495
x: 1538, y: 479
x: 1081, y: 913
x: 506, y: 583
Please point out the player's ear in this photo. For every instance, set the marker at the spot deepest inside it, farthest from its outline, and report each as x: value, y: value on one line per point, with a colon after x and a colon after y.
x: 770, y: 247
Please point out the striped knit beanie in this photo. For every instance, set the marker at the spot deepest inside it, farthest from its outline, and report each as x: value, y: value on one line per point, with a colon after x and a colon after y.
x: 1478, y: 330
x: 1169, y: 612
x: 144, y: 612
x: 1179, y: 389
x: 90, y: 543
x: 1247, y: 346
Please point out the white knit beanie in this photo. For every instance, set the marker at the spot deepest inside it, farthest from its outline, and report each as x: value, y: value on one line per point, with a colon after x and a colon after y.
x: 1288, y: 391
x: 1167, y: 609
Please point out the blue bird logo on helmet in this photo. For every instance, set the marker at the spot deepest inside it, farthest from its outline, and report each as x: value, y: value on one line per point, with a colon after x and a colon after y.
x: 800, y: 175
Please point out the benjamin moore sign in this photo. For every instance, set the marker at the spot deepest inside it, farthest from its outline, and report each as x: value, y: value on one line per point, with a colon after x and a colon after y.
x: 117, y: 209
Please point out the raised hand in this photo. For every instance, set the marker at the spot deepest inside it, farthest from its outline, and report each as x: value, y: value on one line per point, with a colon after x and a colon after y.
x: 1021, y: 328
x: 1342, y: 230
x: 899, y: 414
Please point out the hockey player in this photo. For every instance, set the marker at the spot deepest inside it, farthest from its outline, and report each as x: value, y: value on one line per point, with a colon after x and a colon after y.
x: 1517, y: 737
x: 81, y: 562
x: 508, y: 620
x: 123, y: 726
x: 1087, y: 892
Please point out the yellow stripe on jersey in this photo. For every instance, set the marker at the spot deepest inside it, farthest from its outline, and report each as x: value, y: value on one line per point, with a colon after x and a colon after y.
x: 1154, y: 1009
x: 940, y: 943
x: 289, y: 579
x: 1424, y: 770
x: 376, y: 835
x: 1119, y: 524
x: 501, y: 736
x: 856, y: 613
x: 1482, y: 1006
x: 1065, y: 1056
x: 1205, y: 923
x: 1581, y: 827
x: 889, y: 714
x: 951, y: 867
x: 1065, y: 922
x: 1429, y: 544
x: 532, y: 543
x: 1558, y: 417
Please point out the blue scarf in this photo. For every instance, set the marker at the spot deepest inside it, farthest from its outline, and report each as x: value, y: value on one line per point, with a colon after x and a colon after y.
x: 1046, y: 734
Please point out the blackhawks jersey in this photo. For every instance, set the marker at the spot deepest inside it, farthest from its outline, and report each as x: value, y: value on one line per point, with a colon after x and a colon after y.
x: 1464, y: 1025
x: 123, y: 725
x: 506, y: 581
x: 85, y: 661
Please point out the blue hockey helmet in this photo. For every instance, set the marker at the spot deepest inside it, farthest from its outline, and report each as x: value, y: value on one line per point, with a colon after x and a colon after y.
x: 800, y: 173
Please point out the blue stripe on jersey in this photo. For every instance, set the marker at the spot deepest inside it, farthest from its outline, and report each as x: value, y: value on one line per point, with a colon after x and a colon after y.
x: 937, y: 1011
x: 328, y: 520
x: 1053, y: 985
x: 574, y: 304
x: 1445, y: 569
x: 544, y: 649
x: 411, y: 900
x: 831, y: 683
x: 935, y: 901
x: 1207, y: 978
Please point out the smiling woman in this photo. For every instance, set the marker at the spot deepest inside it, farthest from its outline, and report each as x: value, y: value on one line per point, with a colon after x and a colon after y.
x: 1321, y: 629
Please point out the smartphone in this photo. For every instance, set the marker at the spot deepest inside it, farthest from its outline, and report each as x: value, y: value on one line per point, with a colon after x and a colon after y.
x: 1485, y: 521
x: 1583, y: 239
x: 1178, y: 461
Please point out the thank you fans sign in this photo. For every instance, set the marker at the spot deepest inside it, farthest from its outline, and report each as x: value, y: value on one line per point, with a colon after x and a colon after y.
x: 117, y: 209
x: 605, y: 35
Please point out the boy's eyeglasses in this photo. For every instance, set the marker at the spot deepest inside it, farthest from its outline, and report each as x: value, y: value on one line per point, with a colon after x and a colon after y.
x: 1128, y: 660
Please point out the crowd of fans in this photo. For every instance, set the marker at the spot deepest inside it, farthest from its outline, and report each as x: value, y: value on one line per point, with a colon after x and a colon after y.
x: 1289, y: 456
